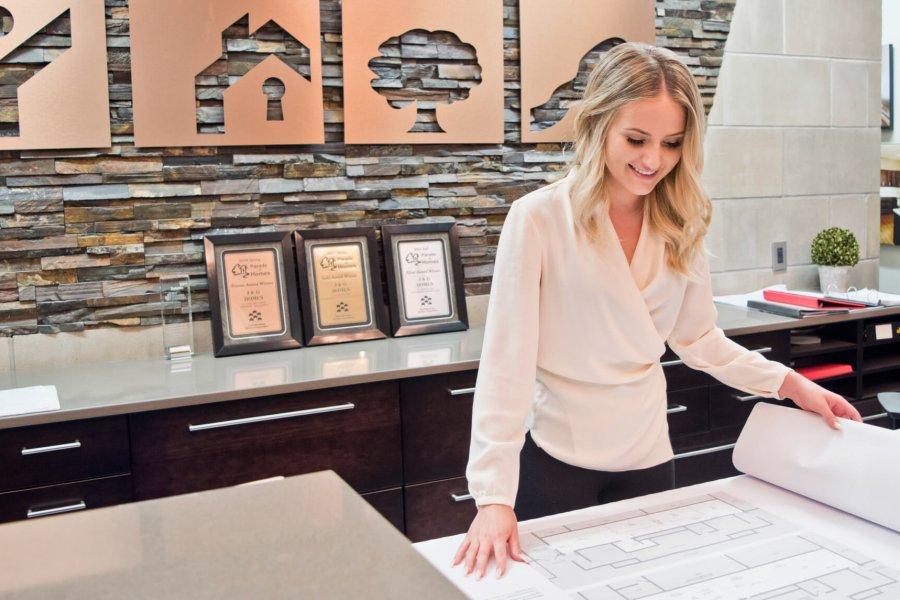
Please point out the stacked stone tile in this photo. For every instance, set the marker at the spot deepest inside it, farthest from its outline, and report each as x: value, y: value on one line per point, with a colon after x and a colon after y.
x: 86, y: 235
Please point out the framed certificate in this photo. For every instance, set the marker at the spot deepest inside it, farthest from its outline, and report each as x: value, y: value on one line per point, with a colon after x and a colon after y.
x: 425, y: 280
x: 340, y: 285
x: 252, y: 292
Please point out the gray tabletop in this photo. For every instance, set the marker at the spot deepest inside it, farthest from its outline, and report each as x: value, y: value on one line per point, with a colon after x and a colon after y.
x: 105, y: 389
x: 309, y: 536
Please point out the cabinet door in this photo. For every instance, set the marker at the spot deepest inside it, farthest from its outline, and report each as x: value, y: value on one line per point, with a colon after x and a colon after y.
x: 703, y: 465
x: 353, y: 430
x: 64, y: 498
x: 44, y: 455
x: 687, y: 412
x: 437, y: 425
x: 389, y: 503
x: 438, y: 509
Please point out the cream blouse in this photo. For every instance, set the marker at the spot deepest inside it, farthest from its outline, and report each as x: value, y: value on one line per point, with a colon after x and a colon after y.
x: 572, y: 347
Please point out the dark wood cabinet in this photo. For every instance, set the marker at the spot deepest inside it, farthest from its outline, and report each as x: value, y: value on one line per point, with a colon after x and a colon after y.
x: 437, y: 425
x: 389, y: 503
x: 63, y: 452
x: 352, y: 430
x: 64, y: 498
x: 705, y: 464
x: 438, y: 508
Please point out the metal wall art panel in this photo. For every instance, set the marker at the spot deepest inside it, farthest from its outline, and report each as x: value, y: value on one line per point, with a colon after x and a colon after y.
x: 226, y: 72
x: 560, y: 43
x: 423, y: 71
x: 57, y: 92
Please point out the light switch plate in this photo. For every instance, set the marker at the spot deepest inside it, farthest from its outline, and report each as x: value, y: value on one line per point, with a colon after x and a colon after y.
x: 779, y: 256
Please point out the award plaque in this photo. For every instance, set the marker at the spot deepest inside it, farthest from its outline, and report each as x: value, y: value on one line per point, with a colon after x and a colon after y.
x: 340, y: 285
x: 425, y: 281
x: 252, y: 293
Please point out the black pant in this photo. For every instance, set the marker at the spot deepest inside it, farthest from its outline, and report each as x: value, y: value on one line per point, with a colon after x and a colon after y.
x: 548, y: 486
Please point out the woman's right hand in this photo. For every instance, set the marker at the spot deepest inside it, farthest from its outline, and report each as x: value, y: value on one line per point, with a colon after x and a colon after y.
x: 491, y: 530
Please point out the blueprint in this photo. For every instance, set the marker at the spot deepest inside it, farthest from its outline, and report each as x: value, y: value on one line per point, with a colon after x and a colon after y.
x: 712, y: 546
x: 709, y: 547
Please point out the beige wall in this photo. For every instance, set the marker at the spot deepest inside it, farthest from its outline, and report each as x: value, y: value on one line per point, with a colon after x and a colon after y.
x: 793, y: 142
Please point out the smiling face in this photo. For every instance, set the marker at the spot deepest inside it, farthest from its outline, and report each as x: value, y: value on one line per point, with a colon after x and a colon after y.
x: 643, y: 146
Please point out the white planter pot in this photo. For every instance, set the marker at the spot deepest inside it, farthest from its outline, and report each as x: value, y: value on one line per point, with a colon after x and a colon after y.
x: 834, y: 279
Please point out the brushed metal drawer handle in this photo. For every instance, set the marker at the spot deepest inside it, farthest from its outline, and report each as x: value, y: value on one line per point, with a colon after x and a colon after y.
x: 461, y: 391
x: 273, y: 417
x: 55, y: 448
x: 748, y: 398
x: 875, y: 417
x: 676, y: 362
x: 703, y: 451
x: 678, y: 408
x: 461, y: 497
x: 46, y: 512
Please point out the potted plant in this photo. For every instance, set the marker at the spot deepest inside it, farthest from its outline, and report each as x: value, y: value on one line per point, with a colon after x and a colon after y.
x: 836, y: 251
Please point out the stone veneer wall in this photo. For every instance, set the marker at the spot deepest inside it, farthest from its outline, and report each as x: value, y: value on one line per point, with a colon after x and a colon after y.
x: 85, y: 235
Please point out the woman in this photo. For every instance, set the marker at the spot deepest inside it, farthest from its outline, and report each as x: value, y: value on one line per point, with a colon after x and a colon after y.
x: 594, y: 274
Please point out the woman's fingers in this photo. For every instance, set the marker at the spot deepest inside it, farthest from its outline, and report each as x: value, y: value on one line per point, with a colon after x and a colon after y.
x: 500, y: 556
x: 515, y: 549
x: 461, y: 552
x: 471, y: 553
x: 825, y: 410
x: 842, y: 408
x: 484, y: 553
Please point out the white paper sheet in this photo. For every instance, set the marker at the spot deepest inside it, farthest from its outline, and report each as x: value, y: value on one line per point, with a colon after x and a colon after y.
x: 733, y: 538
x: 25, y: 400
x: 722, y: 540
x: 856, y: 469
x: 740, y: 300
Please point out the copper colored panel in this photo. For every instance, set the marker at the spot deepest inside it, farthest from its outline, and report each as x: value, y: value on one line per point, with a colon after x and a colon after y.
x: 175, y: 42
x: 556, y: 36
x: 370, y: 117
x: 62, y: 98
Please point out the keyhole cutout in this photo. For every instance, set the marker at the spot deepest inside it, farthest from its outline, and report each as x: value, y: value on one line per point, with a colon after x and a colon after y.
x: 6, y: 21
x: 273, y: 88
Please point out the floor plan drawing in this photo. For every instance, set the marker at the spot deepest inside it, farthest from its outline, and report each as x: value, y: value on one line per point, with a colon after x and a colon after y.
x: 709, y: 547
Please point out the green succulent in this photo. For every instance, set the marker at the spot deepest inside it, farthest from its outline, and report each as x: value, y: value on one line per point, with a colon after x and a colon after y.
x: 835, y: 247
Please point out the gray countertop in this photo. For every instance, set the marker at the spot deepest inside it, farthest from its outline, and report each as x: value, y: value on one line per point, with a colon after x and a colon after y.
x: 113, y: 388
x: 309, y: 536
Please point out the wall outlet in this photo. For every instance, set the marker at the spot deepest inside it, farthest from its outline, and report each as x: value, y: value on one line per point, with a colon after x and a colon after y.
x: 779, y: 256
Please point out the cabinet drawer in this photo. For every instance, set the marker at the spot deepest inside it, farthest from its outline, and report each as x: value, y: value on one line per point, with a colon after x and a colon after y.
x: 703, y: 465
x: 389, y: 503
x: 774, y: 345
x: 44, y: 455
x: 729, y: 407
x: 438, y: 509
x: 678, y: 375
x: 65, y: 498
x: 352, y: 430
x: 688, y: 411
x: 437, y: 425
x: 873, y: 413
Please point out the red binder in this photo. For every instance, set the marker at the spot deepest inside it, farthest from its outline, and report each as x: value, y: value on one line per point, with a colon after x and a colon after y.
x: 809, y: 301
x: 824, y: 371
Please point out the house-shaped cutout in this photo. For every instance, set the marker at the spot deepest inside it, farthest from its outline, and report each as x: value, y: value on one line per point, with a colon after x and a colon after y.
x: 265, y: 45
x: 41, y: 56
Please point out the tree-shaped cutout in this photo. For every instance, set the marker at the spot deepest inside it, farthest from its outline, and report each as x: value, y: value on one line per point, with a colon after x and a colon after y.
x: 242, y: 51
x: 567, y: 94
x: 426, y: 67
x: 27, y: 60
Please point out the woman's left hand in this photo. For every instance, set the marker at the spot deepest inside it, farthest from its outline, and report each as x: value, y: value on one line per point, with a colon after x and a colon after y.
x: 810, y: 396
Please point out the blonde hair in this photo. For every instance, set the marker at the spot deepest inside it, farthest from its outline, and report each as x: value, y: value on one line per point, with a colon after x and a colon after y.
x: 678, y: 208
